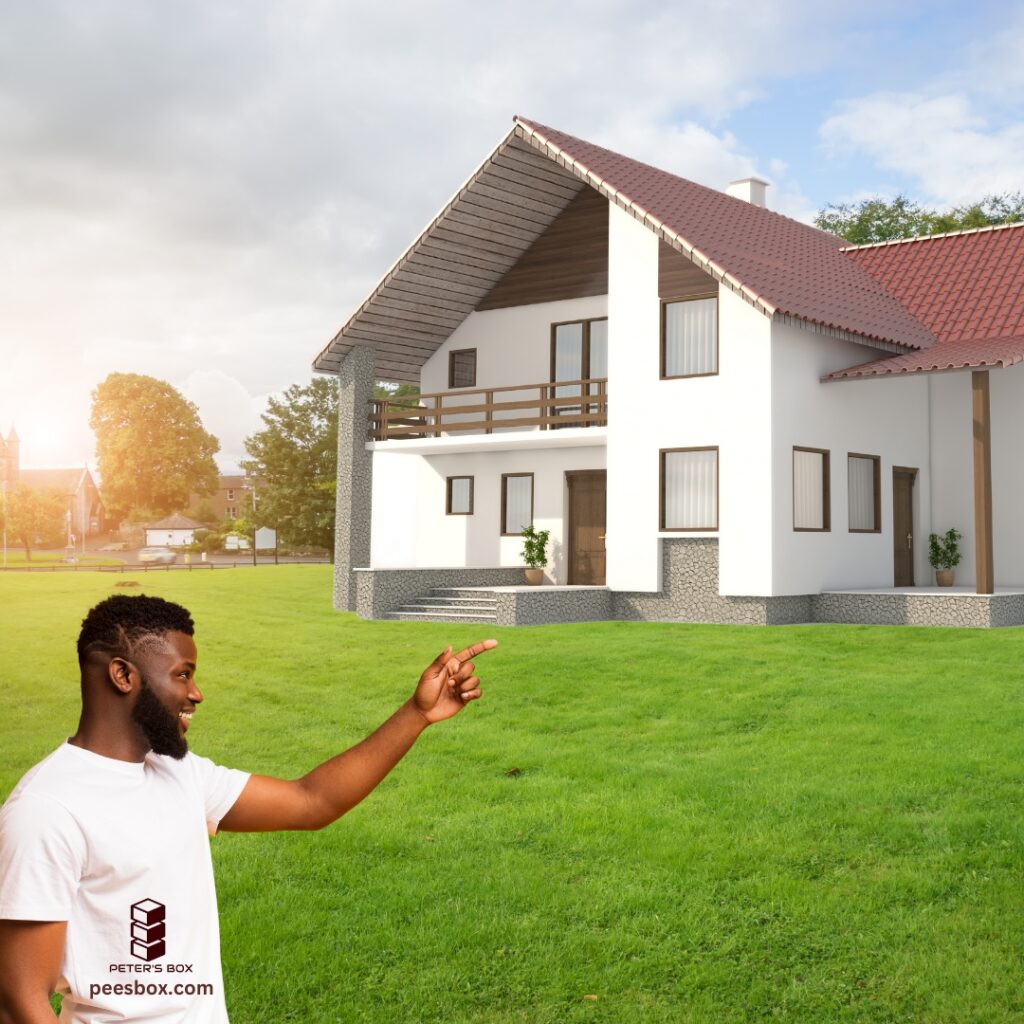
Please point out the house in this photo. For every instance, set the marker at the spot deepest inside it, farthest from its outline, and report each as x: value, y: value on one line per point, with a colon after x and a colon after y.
x: 231, y: 500
x: 721, y: 414
x: 176, y: 531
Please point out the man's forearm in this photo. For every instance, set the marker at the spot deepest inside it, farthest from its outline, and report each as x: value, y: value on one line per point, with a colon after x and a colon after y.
x: 337, y: 785
x: 26, y: 1010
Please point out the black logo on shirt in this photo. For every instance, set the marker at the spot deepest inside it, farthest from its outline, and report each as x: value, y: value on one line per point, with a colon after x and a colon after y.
x: 149, y: 930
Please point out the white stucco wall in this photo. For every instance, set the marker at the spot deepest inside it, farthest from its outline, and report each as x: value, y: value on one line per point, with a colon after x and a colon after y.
x: 953, y: 478
x: 645, y: 415
x: 411, y: 528
x: 513, y: 346
x: 888, y: 418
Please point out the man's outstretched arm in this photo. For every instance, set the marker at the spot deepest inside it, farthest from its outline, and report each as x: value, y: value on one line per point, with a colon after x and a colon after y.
x: 336, y: 786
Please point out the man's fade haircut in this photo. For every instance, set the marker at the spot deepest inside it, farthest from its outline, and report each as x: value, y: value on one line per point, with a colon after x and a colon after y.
x: 117, y: 625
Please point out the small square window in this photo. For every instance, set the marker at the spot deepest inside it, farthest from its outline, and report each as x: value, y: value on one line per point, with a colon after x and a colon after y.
x: 689, y: 338
x: 462, y: 368
x: 689, y: 489
x: 231, y: 494
x: 459, y: 500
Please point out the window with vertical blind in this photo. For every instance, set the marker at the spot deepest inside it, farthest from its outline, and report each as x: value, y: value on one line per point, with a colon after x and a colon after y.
x: 689, y: 338
x: 864, y: 478
x: 462, y: 368
x: 811, y: 490
x: 459, y: 497
x: 516, y: 503
x: 689, y: 489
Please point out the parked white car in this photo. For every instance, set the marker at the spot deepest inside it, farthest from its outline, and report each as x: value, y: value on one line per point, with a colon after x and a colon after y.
x: 157, y: 556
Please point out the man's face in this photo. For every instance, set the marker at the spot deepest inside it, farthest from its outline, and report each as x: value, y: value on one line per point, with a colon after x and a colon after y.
x: 168, y: 694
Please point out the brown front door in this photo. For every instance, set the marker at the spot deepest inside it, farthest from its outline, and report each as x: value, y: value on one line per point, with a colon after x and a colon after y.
x: 586, y: 526
x: 903, y: 525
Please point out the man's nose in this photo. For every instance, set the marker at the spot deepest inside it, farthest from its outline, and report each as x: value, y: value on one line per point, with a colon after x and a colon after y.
x: 195, y: 694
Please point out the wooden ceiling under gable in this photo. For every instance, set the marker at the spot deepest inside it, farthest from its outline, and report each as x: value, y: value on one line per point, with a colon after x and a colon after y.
x: 479, y: 236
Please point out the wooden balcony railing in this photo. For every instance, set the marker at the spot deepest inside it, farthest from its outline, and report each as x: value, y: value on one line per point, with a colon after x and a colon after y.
x: 547, y: 406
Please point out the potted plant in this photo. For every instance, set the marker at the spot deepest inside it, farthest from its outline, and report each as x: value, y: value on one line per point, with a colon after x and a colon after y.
x: 535, y: 543
x: 944, y: 555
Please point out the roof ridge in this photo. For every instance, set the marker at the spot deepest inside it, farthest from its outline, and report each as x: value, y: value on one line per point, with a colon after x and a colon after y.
x: 929, y: 238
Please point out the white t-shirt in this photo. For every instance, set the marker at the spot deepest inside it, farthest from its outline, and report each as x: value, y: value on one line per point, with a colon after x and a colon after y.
x: 121, y: 851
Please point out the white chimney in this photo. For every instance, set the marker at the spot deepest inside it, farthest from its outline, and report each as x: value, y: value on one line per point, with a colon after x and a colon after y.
x: 750, y: 190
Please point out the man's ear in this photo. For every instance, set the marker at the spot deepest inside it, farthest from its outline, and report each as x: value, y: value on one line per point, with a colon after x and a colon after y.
x: 122, y: 673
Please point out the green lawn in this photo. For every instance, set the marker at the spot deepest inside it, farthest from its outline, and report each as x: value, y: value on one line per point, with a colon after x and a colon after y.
x: 16, y: 557
x: 708, y: 824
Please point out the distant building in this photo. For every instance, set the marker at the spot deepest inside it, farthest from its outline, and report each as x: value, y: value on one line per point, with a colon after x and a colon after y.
x: 231, y: 500
x: 174, y: 532
x: 9, y: 461
x: 83, y: 496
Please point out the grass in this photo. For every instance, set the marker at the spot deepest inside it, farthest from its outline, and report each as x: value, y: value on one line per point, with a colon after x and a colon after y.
x: 639, y: 823
x: 16, y: 557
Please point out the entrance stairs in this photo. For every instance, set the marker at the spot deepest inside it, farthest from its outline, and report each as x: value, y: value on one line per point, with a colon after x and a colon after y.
x: 451, y: 604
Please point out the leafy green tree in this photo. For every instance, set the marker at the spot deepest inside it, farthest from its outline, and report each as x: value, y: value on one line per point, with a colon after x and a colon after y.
x: 151, y: 447
x: 295, y: 459
x: 35, y: 517
x: 882, y: 220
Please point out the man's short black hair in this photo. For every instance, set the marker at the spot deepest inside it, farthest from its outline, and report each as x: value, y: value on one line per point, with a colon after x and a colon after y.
x: 115, y: 625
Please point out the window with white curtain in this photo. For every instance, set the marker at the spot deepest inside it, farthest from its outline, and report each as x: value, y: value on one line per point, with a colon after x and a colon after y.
x: 689, y: 489
x: 863, y: 474
x: 460, y: 496
x: 810, y: 489
x: 516, y: 502
x: 689, y: 338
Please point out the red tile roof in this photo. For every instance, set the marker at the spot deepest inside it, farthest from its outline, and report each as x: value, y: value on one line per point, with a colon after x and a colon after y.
x: 784, y: 266
x: 966, y: 287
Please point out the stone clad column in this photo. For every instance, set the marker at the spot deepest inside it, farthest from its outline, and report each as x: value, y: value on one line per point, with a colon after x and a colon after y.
x: 355, y: 474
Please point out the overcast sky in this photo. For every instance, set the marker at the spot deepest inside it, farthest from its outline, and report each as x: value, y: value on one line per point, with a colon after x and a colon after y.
x: 202, y: 191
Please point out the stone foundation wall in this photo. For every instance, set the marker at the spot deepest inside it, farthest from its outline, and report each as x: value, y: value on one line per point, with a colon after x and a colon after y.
x: 547, y: 605
x: 379, y: 591
x: 689, y: 592
x: 980, y: 611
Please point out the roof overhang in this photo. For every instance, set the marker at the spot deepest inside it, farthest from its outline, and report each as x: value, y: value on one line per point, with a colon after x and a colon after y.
x: 944, y: 357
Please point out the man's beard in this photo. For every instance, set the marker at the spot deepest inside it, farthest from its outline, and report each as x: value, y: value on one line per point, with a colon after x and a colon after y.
x: 158, y: 725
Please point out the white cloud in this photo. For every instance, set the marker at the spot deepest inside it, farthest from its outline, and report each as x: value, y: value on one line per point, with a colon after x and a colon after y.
x: 211, y: 187
x: 227, y: 410
x: 942, y: 142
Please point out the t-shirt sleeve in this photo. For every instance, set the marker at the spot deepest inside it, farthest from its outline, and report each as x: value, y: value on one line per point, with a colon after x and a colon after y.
x: 220, y: 786
x: 42, y: 859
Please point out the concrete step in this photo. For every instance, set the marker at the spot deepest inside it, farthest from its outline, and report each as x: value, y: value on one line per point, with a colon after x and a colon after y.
x: 481, y: 594
x: 423, y: 605
x: 439, y: 616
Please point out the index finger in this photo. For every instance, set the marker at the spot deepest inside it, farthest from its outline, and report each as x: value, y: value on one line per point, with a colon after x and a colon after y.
x: 478, y: 648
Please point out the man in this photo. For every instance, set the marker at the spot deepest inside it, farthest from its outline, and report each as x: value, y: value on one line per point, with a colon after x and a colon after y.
x: 106, y: 881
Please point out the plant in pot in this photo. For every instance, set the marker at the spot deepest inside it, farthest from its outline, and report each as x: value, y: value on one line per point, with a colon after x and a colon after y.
x: 535, y: 543
x: 944, y: 555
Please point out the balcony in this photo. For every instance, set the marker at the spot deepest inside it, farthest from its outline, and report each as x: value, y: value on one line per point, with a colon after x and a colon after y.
x: 520, y: 407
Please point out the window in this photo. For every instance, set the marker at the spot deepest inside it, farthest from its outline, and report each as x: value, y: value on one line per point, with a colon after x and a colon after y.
x: 689, y: 338
x: 864, y: 477
x: 232, y: 512
x: 231, y: 494
x: 459, y: 498
x: 462, y: 368
x: 689, y: 489
x: 516, y: 503
x: 811, y: 495
x: 579, y: 351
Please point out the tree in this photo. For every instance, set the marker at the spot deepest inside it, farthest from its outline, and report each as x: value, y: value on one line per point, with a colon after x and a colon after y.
x: 35, y: 516
x: 295, y: 457
x: 151, y: 447
x: 881, y: 220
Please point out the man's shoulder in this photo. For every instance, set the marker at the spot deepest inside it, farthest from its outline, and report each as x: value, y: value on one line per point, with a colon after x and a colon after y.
x: 42, y: 779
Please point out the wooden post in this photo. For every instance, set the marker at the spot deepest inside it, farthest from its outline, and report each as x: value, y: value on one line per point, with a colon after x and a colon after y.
x: 985, y: 572
x: 489, y: 415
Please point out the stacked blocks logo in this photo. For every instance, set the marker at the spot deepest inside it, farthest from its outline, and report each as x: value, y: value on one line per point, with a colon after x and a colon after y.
x: 149, y: 930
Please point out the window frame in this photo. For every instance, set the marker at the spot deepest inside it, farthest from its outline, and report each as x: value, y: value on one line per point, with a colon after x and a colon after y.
x: 452, y: 386
x: 826, y: 490
x: 448, y: 495
x: 877, y: 482
x: 504, y: 498
x: 585, y: 354
x: 662, y: 452
x: 665, y: 303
